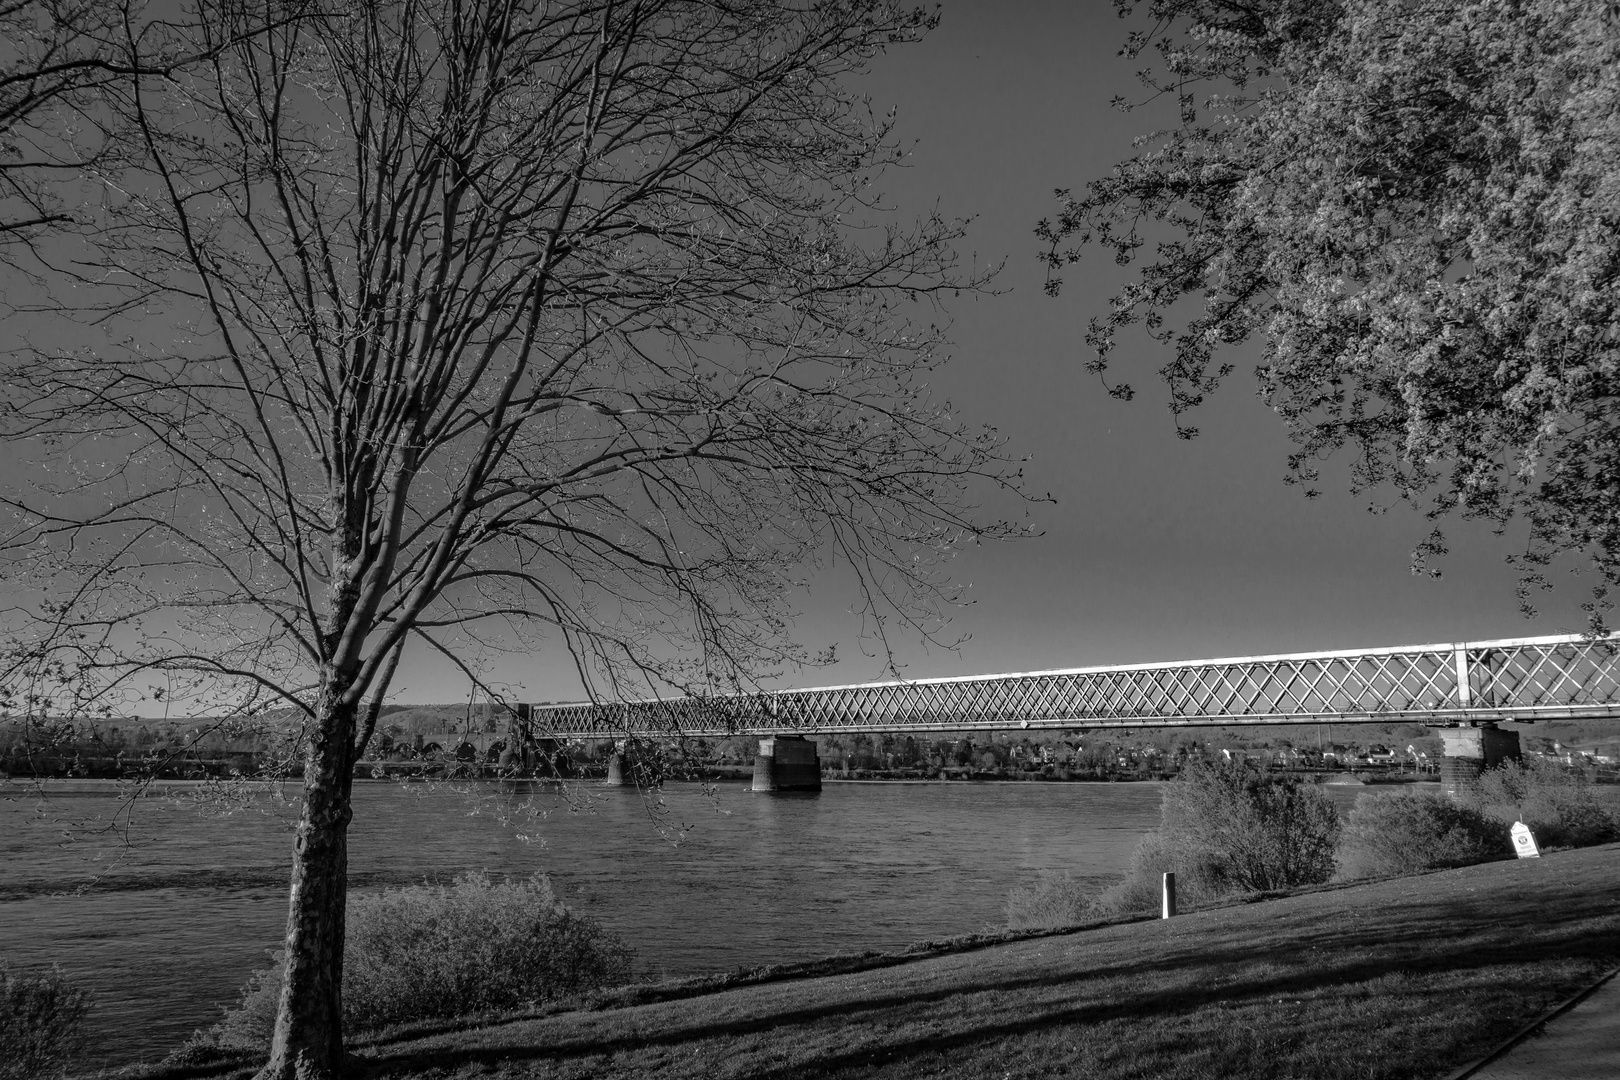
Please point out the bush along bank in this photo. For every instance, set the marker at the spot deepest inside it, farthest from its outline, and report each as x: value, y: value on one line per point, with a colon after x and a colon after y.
x: 1229, y: 830
x: 427, y: 952
x: 41, y: 1017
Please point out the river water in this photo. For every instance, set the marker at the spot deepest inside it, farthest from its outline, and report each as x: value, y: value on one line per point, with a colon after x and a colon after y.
x: 162, y: 906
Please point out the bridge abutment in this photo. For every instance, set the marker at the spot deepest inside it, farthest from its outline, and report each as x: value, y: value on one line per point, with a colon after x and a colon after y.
x: 1469, y: 751
x: 787, y: 763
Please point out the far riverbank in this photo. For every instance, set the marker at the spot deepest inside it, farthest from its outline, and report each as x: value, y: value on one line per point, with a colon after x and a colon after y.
x: 15, y: 786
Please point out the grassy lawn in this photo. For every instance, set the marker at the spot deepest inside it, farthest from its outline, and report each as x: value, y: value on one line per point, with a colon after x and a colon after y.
x: 1404, y: 978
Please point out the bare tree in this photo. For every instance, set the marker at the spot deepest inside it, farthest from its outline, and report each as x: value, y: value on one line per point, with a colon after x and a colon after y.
x: 58, y: 61
x: 54, y: 56
x: 57, y: 57
x: 478, y: 324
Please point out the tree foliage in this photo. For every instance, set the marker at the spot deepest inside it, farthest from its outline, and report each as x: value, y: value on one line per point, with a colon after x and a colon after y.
x: 1414, y: 206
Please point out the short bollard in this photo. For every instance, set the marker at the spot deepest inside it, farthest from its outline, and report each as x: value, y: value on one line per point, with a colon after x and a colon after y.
x: 1169, y: 909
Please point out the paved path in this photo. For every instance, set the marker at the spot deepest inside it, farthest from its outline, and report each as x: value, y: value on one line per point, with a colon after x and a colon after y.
x: 1582, y: 1043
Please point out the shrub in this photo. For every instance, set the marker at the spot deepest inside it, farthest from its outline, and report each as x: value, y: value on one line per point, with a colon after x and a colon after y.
x: 1249, y: 831
x: 1227, y: 829
x: 1197, y: 879
x: 430, y: 951
x: 1560, y: 805
x: 41, y: 1016
x: 1416, y: 831
x: 249, y: 1026
x: 1053, y: 899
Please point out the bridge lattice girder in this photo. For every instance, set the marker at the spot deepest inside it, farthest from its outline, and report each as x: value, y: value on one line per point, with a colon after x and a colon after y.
x: 1517, y: 679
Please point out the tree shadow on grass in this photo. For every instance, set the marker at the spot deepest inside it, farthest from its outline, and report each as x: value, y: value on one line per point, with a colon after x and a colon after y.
x: 1173, y: 1013
x: 1453, y: 937
x: 1453, y: 906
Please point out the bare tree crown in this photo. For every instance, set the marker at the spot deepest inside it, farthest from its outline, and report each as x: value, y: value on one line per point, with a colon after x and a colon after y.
x: 463, y: 322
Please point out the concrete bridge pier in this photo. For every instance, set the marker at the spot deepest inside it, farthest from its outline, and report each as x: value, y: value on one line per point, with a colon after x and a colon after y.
x: 618, y: 771
x: 1469, y: 751
x: 787, y: 763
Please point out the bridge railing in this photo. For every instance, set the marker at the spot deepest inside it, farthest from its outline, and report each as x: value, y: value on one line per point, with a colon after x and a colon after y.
x: 1518, y: 679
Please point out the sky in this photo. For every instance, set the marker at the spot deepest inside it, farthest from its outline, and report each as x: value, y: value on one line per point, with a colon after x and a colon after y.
x: 1155, y: 548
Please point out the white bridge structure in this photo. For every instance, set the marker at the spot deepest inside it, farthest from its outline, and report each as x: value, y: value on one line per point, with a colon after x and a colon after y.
x: 1465, y: 683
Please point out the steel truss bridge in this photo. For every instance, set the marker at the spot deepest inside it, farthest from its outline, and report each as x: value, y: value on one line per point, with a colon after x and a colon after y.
x: 1539, y: 678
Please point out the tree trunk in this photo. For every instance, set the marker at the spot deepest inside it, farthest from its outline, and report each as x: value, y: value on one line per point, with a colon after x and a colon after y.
x: 308, y: 1039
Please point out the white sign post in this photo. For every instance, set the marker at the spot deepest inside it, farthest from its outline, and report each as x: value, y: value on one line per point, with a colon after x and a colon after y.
x: 1524, y: 841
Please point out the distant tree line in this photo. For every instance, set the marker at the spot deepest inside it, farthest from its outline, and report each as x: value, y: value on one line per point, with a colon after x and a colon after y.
x: 432, y: 739
x: 135, y: 747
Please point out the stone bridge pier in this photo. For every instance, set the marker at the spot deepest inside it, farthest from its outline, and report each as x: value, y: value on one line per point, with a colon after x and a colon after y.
x: 787, y: 763
x: 1469, y: 751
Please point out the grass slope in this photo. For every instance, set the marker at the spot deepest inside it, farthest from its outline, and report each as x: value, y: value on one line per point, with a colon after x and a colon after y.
x: 1409, y: 977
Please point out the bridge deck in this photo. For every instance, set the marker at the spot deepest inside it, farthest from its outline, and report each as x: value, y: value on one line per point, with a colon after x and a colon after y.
x: 1514, y: 679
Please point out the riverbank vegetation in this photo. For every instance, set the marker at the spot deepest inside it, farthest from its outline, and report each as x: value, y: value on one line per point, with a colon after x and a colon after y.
x: 1230, y: 830
x: 1389, y: 980
x: 468, y: 741
x: 426, y: 952
x: 1226, y: 830
x: 41, y: 1014
x: 1420, y: 831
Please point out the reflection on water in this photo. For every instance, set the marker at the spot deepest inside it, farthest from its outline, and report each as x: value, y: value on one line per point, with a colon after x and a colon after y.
x: 184, y: 903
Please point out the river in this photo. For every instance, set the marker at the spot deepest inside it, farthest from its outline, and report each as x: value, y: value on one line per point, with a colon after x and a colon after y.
x: 162, y: 906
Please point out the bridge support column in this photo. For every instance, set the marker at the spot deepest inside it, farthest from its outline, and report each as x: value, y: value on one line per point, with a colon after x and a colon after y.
x: 521, y: 739
x: 787, y: 763
x: 1469, y: 751
x: 618, y: 774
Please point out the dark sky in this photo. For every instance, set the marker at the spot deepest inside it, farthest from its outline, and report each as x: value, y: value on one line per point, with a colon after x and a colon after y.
x: 1157, y: 548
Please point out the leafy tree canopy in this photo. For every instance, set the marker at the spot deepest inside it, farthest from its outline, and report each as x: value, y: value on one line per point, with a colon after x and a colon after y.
x: 1412, y: 205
